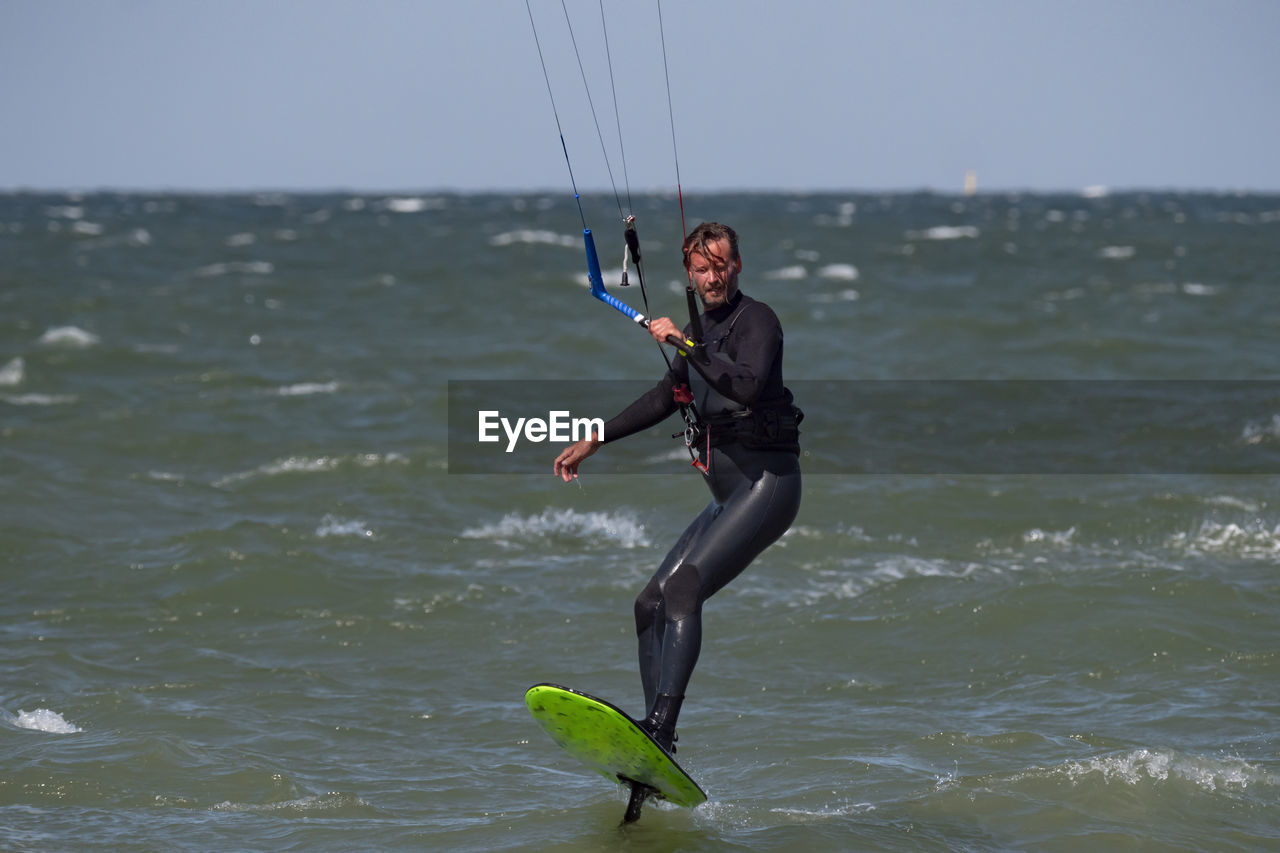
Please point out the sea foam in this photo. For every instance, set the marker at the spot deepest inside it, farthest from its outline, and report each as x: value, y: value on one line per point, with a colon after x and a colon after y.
x: 1140, y: 766
x: 332, y: 525
x: 44, y: 720
x: 1253, y: 540
x: 532, y: 236
x: 13, y: 373
x: 839, y: 272
x: 68, y: 336
x: 305, y: 389
x: 944, y: 232
x: 513, y: 529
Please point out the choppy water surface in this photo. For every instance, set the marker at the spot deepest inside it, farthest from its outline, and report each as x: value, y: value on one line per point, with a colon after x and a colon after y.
x: 247, y: 606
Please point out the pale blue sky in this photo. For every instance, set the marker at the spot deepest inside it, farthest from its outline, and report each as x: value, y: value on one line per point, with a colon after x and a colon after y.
x: 801, y: 94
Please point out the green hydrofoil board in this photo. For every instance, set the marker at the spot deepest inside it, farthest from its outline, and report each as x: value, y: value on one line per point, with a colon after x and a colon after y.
x: 609, y: 742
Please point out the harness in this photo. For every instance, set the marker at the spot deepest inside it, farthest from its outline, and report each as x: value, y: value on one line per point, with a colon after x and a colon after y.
x: 771, y: 427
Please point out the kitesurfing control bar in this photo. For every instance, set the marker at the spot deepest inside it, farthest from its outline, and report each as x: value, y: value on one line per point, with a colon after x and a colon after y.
x: 598, y: 291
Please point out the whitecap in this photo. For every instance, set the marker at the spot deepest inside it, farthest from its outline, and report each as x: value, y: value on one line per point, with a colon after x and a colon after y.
x: 855, y: 580
x: 622, y: 530
x: 242, y: 267
x: 68, y: 336
x: 1051, y: 537
x: 13, y: 373
x: 67, y: 211
x: 792, y: 273
x: 245, y: 239
x: 411, y: 204
x: 1095, y: 191
x: 288, y: 465
x: 841, y: 272
x: 1157, y: 765
x: 310, y: 465
x: 44, y: 720
x: 944, y: 232
x: 1252, y: 540
x: 1257, y: 432
x: 1116, y: 253
x: 38, y: 399
x: 531, y: 236
x: 1238, y: 503
x: 305, y: 389
x: 332, y: 525
x: 89, y: 229
x: 1191, y: 288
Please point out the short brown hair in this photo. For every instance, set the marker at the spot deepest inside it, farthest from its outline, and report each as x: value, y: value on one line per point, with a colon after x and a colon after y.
x: 710, y: 232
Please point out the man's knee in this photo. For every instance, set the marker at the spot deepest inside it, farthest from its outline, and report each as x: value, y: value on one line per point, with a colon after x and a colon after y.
x: 647, y: 604
x: 682, y: 592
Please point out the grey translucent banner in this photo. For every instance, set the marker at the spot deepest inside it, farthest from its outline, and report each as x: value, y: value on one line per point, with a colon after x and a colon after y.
x: 905, y: 427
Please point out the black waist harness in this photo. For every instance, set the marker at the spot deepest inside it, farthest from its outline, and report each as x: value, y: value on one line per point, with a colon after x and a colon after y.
x: 758, y: 429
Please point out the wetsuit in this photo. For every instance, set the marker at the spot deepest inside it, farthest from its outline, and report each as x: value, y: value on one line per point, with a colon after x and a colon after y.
x: 753, y: 474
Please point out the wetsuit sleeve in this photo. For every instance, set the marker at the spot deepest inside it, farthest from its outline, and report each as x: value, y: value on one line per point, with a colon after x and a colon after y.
x: 649, y: 409
x: 758, y: 336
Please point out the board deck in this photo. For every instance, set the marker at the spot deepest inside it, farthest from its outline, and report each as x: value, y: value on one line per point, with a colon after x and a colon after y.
x: 608, y: 741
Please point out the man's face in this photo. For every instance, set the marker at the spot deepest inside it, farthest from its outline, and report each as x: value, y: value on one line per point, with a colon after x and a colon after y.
x: 715, y: 277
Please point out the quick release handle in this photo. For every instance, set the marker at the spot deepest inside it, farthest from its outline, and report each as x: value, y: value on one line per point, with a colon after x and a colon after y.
x: 632, y: 238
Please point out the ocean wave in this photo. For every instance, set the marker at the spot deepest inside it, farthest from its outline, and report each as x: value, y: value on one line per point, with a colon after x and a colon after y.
x: 330, y: 803
x: 235, y: 267
x: 792, y: 273
x: 38, y: 399
x: 1141, y: 766
x: 1257, y: 432
x: 849, y: 809
x: 1254, y: 540
x: 88, y: 229
x: 64, y: 211
x: 1233, y: 502
x: 855, y: 580
x: 839, y: 272
x: 41, y: 720
x: 310, y: 465
x: 514, y: 529
x: 68, y: 336
x: 13, y: 373
x: 411, y: 204
x: 1116, y: 253
x: 533, y: 237
x: 305, y: 389
x: 1049, y: 537
x: 332, y: 525
x: 1192, y: 288
x: 944, y: 232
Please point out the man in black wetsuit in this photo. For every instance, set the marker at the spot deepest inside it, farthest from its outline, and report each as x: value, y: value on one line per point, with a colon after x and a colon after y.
x: 749, y: 455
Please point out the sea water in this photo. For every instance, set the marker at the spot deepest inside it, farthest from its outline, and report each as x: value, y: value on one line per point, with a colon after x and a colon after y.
x: 252, y: 599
